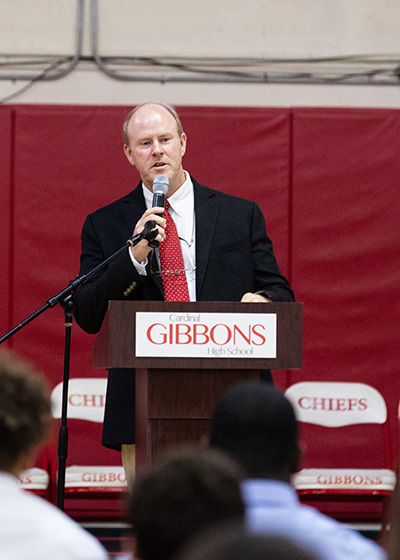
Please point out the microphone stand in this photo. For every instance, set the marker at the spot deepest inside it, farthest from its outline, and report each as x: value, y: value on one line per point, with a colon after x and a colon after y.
x: 64, y: 298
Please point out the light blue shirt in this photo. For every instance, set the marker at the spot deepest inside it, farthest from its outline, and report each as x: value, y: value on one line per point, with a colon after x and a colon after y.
x: 273, y: 507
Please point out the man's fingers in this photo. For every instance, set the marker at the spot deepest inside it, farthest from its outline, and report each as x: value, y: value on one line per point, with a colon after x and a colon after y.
x: 254, y: 298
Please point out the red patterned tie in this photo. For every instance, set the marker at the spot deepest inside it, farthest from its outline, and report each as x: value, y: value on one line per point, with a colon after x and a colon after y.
x: 172, y: 266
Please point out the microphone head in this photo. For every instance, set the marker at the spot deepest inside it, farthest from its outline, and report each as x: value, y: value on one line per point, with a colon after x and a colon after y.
x: 160, y: 184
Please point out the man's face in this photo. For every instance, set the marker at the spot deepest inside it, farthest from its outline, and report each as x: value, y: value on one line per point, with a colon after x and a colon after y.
x: 155, y: 147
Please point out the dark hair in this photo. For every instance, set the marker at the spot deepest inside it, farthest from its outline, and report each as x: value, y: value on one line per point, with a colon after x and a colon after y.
x: 256, y: 424
x: 185, y: 492
x: 25, y: 410
x: 234, y: 542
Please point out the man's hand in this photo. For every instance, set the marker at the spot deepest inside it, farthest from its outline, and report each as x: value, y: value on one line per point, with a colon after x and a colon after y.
x: 255, y: 298
x: 142, y: 249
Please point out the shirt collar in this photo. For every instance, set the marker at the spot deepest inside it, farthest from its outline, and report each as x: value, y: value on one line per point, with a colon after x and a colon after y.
x: 181, y: 208
x: 181, y: 198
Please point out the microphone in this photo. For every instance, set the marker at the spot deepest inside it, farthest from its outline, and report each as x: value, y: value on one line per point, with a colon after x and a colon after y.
x: 160, y: 189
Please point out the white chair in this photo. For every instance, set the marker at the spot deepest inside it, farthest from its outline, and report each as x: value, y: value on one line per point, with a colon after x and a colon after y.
x: 86, y: 399
x: 336, y: 405
x: 37, y: 481
x: 95, y: 479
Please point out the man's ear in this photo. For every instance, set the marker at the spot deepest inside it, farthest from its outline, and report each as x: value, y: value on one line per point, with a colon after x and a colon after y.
x: 183, y: 141
x: 128, y: 154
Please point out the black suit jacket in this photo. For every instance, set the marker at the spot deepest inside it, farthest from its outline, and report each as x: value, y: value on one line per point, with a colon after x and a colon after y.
x: 234, y: 255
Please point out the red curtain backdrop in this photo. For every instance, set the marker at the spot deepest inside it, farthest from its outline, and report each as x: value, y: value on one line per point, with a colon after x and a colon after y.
x: 326, y: 180
x: 6, y: 190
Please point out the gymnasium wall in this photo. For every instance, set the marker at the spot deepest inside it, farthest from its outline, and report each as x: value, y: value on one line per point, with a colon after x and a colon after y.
x: 327, y: 181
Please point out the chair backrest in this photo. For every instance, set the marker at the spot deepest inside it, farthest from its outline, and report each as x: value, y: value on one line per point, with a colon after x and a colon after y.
x: 86, y: 399
x: 342, y: 406
x: 91, y: 477
x: 35, y: 479
x: 91, y: 467
x: 335, y: 404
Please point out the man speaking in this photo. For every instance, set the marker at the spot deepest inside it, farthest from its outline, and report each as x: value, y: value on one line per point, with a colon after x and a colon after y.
x: 205, y: 246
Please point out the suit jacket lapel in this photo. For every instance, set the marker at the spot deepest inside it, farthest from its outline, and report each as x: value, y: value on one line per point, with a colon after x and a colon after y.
x: 206, y: 213
x: 133, y: 207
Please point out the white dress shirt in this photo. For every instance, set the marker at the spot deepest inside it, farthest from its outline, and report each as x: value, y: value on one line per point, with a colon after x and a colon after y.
x: 33, y: 529
x: 182, y: 212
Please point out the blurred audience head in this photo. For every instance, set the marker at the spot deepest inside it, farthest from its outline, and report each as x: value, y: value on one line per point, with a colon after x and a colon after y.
x: 25, y: 412
x: 234, y: 542
x: 256, y: 424
x: 188, y: 490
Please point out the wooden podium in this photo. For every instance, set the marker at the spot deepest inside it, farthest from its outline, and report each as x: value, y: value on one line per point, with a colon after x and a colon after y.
x: 175, y: 395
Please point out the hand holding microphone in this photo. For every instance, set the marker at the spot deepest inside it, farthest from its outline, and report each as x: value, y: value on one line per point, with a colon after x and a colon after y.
x: 146, y: 227
x: 160, y: 189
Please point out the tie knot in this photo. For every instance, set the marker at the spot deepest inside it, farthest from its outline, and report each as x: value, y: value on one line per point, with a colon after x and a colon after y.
x: 166, y: 204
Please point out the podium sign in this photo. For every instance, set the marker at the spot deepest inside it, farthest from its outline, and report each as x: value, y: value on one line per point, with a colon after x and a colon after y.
x: 116, y: 345
x: 206, y: 335
x: 186, y: 354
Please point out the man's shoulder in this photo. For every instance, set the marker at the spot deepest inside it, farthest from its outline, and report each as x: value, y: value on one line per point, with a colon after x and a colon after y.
x: 342, y: 540
x: 203, y: 191
x: 50, y: 527
x: 269, y: 506
x: 115, y: 206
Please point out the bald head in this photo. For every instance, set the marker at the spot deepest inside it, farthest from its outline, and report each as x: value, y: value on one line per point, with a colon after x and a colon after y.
x: 155, y: 144
x: 164, y: 106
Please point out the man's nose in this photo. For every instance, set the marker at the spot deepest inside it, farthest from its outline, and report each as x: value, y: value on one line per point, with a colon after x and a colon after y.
x: 157, y: 148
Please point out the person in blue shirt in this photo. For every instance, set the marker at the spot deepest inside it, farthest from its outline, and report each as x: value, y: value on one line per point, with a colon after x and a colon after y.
x: 256, y: 424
